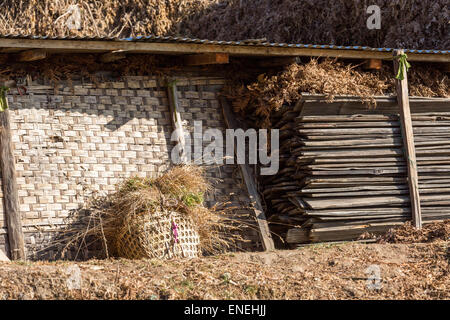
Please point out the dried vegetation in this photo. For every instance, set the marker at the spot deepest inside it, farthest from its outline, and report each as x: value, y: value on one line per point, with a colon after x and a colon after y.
x: 322, y: 271
x: 404, y: 23
x: 329, y: 77
x: 437, y: 231
x: 180, y: 190
x: 110, y: 18
x: 420, y: 24
x: 68, y: 67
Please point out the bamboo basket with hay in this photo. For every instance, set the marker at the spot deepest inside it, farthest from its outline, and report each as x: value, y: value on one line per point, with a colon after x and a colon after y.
x: 155, y: 218
x: 165, y: 234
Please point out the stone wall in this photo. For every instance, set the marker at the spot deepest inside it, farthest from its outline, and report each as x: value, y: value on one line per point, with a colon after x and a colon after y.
x: 81, y: 139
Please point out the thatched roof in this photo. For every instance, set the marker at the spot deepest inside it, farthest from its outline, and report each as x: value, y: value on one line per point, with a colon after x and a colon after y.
x: 413, y: 24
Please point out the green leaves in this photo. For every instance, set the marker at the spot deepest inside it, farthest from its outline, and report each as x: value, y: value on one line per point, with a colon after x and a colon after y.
x: 402, y: 62
x: 193, y: 199
x: 3, y: 99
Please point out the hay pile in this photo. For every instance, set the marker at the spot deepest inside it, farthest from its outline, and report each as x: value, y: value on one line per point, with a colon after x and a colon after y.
x: 69, y: 67
x: 408, y: 234
x: 107, y: 18
x: 269, y: 93
x: 419, y: 24
x: 404, y: 23
x: 137, y: 221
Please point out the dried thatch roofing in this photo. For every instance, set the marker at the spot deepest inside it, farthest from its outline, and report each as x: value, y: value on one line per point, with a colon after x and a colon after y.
x: 415, y: 24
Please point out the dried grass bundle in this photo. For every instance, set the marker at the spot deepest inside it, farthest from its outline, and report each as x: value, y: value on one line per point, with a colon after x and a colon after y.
x: 179, y: 191
x: 107, y: 18
x: 68, y: 67
x: 330, y: 77
x: 414, y: 24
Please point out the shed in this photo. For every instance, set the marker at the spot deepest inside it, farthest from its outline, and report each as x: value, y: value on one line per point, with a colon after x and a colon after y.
x: 65, y: 139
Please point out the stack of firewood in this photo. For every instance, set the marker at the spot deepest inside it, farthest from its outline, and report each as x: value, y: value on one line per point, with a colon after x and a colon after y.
x: 344, y: 175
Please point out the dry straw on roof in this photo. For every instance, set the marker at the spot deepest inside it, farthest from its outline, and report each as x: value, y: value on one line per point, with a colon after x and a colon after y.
x: 414, y: 24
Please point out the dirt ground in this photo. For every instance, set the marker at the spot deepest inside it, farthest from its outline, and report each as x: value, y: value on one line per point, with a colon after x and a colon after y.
x: 322, y: 271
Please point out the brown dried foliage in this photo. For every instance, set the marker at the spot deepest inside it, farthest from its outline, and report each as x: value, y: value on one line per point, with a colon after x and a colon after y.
x: 109, y: 18
x: 331, y: 78
x: 321, y: 271
x: 63, y: 67
x: 437, y: 231
x: 404, y: 23
x: 421, y: 24
x: 180, y: 189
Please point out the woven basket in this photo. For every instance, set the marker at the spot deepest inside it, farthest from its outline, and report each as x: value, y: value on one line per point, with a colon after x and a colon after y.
x: 153, y: 236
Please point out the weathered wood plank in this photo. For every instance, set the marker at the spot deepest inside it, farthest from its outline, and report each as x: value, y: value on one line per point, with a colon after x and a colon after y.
x: 355, y: 188
x: 408, y: 138
x: 181, y: 48
x: 10, y: 190
x: 297, y: 235
x: 176, y: 120
x: 338, y: 158
x: 258, y: 209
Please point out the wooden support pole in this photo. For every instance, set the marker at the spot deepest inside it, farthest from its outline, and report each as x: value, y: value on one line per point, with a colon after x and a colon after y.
x: 10, y: 190
x: 31, y: 55
x: 206, y: 58
x: 408, y: 141
x: 176, y: 120
x: 247, y: 175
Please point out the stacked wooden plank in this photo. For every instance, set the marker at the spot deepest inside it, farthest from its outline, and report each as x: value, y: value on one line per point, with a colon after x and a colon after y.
x: 285, y: 214
x: 343, y: 175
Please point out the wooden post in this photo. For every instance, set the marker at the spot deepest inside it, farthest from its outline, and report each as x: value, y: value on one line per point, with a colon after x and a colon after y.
x: 266, y: 237
x: 176, y: 118
x: 408, y: 141
x: 10, y: 193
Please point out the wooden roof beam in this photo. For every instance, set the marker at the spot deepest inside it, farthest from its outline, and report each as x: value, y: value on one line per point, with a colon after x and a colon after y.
x: 206, y: 59
x: 54, y: 45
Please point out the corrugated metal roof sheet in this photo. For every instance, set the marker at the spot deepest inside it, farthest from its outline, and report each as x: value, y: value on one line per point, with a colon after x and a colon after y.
x: 254, y: 43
